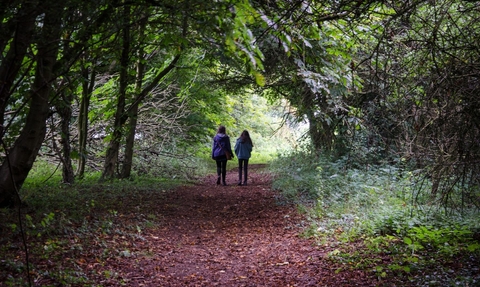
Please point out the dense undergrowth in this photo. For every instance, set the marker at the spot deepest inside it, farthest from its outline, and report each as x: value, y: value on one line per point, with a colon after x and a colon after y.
x: 380, y: 218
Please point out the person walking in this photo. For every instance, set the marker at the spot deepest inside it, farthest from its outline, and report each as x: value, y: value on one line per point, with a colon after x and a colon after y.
x: 243, y: 149
x: 221, y: 152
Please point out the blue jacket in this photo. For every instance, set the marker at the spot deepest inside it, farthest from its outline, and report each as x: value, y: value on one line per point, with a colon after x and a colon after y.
x: 221, y: 142
x: 243, y: 150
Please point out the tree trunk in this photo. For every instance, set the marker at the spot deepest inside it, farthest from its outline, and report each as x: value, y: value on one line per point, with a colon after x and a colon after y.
x: 321, y: 133
x: 65, y: 111
x: 132, y: 109
x: 121, y: 115
x: 15, y: 169
x: 111, y: 156
x: 129, y: 144
x: 314, y: 131
x: 133, y: 114
x: 87, y: 89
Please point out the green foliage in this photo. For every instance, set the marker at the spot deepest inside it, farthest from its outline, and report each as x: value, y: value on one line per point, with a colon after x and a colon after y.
x: 240, y: 41
x: 372, y: 209
x: 296, y: 175
x: 43, y: 174
x: 423, y: 113
x: 444, y: 240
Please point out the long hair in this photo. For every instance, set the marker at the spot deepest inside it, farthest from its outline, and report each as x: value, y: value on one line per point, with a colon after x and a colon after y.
x: 245, y: 137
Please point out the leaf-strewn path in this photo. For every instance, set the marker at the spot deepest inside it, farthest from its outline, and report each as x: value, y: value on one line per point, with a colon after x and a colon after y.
x: 231, y: 235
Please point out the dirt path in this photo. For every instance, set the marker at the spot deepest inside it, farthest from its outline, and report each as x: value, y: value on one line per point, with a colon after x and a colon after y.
x: 231, y: 235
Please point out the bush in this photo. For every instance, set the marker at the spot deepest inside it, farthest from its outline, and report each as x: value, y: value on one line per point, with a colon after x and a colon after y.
x: 296, y: 175
x: 377, y: 208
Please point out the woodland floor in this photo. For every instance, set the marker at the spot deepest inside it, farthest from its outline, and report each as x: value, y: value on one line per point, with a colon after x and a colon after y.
x: 214, y: 235
x: 209, y: 235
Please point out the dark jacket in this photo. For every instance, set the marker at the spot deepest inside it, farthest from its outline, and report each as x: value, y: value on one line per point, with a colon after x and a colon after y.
x: 221, y: 142
x: 243, y: 149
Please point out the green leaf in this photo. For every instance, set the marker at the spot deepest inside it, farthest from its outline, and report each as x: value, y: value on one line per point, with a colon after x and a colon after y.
x: 407, y: 240
x: 473, y: 247
x: 259, y: 79
x: 412, y: 259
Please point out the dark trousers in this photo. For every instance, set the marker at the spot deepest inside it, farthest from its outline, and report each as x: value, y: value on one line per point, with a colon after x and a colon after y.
x: 242, y: 166
x: 222, y: 169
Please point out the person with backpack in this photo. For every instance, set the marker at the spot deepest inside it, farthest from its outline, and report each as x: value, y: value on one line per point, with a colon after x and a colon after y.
x: 243, y: 149
x: 221, y: 152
